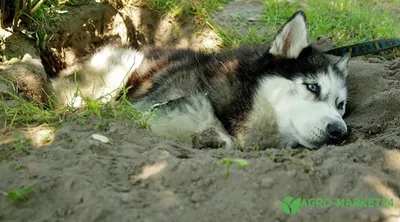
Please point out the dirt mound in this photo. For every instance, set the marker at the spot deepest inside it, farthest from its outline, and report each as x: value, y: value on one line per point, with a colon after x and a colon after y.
x: 83, y: 29
x: 139, y: 177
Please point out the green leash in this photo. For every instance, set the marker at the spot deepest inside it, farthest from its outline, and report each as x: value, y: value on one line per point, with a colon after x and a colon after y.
x: 366, y: 47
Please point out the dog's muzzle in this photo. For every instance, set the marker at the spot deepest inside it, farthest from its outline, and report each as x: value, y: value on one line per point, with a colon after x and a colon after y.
x: 337, y: 133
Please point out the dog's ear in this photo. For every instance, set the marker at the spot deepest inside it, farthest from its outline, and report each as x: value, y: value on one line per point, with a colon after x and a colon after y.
x: 292, y: 38
x: 343, y: 64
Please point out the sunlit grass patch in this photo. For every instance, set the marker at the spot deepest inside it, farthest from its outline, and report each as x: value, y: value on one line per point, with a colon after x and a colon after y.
x: 345, y: 21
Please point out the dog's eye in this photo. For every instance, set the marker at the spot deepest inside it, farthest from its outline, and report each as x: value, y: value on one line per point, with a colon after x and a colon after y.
x: 314, y: 88
x: 340, y: 105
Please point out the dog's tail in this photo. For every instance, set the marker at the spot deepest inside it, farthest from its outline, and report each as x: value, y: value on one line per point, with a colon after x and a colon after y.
x: 102, y: 77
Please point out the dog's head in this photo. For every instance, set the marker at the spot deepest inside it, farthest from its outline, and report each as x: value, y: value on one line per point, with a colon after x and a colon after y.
x: 310, y: 100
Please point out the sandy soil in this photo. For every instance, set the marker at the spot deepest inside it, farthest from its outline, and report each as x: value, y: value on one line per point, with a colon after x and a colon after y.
x: 139, y: 177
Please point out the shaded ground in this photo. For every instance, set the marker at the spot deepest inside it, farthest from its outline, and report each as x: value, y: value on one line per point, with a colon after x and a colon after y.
x: 139, y: 177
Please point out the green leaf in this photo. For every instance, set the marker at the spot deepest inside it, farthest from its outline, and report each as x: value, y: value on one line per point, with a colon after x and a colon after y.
x: 241, y: 162
x: 19, y: 194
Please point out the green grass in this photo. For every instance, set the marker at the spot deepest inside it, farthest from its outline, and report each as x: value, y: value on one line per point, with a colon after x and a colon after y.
x: 18, y: 194
x: 26, y: 114
x: 20, y: 113
x: 200, y: 9
x: 345, y: 21
x: 229, y: 161
x: 46, y: 14
x: 21, y: 144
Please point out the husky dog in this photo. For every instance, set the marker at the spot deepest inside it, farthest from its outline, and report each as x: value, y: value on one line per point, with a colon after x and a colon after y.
x: 283, y: 95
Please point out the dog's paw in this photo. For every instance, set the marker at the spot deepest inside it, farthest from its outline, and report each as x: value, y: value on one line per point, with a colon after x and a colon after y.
x: 211, y: 138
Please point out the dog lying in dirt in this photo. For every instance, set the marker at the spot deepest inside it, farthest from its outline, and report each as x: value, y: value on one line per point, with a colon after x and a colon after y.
x: 286, y: 95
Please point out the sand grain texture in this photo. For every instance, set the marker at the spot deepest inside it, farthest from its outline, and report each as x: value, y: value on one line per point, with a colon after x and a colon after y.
x: 140, y: 177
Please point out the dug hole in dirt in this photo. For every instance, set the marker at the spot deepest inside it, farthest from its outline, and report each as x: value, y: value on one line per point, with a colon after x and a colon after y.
x: 140, y: 177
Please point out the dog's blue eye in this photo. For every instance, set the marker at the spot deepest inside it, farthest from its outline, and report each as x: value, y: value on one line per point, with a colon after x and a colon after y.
x: 340, y: 105
x: 314, y: 88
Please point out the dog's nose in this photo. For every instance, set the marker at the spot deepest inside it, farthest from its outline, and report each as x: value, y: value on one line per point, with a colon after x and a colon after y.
x: 337, y: 133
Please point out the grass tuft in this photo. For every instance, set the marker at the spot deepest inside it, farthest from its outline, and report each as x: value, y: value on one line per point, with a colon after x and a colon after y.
x: 19, y: 194
x: 200, y: 9
x: 229, y: 161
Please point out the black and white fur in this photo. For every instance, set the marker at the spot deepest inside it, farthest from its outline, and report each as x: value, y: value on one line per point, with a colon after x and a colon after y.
x: 284, y: 95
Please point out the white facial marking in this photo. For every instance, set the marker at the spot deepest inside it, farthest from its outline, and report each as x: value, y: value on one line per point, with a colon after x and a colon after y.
x: 333, y: 90
x: 302, y: 115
